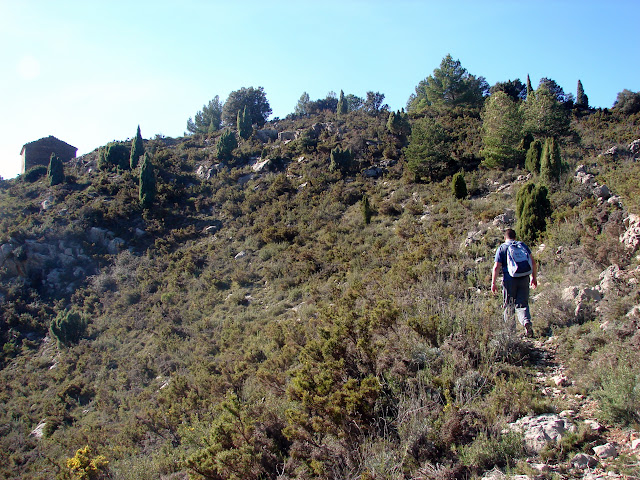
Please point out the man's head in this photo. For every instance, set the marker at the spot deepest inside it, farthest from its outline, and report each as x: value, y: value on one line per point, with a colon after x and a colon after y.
x: 509, y: 234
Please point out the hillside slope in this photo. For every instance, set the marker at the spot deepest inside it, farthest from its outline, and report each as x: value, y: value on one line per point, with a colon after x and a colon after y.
x: 252, y: 324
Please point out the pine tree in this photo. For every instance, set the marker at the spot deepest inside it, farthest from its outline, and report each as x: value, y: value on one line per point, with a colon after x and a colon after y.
x: 147, y: 191
x: 137, y: 150
x: 55, y: 171
x: 501, y: 132
x: 532, y: 209
x: 429, y: 153
x: 581, y: 98
x: 459, y: 186
x: 367, y: 212
x: 532, y: 161
x: 245, y: 129
x: 343, y: 106
x: 227, y: 143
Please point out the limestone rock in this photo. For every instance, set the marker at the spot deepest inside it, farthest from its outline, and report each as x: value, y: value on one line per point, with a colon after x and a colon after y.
x: 505, y: 219
x: 284, y: 136
x: 262, y: 165
x: 582, y: 461
x: 266, y: 134
x: 609, y: 278
x: 631, y: 237
x: 373, y: 172
x: 608, y: 450
x: 38, y: 432
x: 634, y: 147
x: 542, y: 429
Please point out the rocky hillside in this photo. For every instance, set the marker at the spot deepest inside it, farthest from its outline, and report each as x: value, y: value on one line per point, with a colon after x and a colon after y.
x: 262, y: 320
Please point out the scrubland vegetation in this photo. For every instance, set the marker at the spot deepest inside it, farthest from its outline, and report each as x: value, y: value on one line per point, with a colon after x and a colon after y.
x: 309, y: 320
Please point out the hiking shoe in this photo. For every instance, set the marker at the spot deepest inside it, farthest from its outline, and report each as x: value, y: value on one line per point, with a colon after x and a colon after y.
x: 528, y: 330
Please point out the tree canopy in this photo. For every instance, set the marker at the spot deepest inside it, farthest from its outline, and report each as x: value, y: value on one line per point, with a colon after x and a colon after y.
x: 254, y: 99
x: 502, y: 131
x: 208, y: 119
x: 450, y: 85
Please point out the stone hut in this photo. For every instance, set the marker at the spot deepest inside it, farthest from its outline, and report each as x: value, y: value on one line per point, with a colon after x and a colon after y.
x: 39, y: 152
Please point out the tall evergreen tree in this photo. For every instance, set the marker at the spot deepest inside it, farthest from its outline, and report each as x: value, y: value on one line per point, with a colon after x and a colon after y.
x: 449, y: 86
x: 530, y: 93
x: 137, y: 150
x: 340, y: 160
x: 55, y: 171
x: 147, y: 189
x: 532, y: 209
x: 245, y: 129
x: 581, y: 98
x: 302, y: 107
x: 209, y: 118
x: 343, y: 106
x: 255, y: 99
x: 398, y: 123
x: 534, y: 154
x: 501, y: 132
x: 227, y: 143
x: 367, y: 212
x: 544, y: 116
x: 429, y: 151
x: 550, y: 161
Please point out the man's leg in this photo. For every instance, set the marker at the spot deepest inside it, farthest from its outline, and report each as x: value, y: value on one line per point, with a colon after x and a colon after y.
x: 509, y: 304
x: 521, y: 295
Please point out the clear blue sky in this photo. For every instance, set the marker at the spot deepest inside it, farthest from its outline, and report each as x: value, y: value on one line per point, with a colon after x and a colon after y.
x: 90, y: 71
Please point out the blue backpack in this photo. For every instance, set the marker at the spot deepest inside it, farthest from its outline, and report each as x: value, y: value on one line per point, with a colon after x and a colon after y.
x: 519, y: 263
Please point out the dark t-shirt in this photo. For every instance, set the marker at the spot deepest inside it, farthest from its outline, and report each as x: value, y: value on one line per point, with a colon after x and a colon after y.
x: 501, y: 256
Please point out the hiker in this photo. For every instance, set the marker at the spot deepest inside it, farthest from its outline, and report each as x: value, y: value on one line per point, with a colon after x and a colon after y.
x: 517, y: 264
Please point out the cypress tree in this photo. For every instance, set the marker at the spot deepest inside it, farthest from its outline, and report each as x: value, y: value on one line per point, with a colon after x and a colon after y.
x: 343, y: 106
x: 340, y: 160
x: 532, y: 209
x: 532, y: 161
x: 581, y: 98
x: 530, y: 93
x: 459, y: 186
x: 398, y: 123
x: 227, y: 143
x: 147, y: 191
x: 550, y: 161
x: 367, y: 212
x: 245, y: 129
x: 55, y: 172
x: 137, y: 150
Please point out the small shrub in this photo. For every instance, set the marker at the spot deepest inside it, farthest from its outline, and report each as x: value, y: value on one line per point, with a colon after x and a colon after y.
x: 619, y: 394
x: 459, y: 186
x: 67, y: 328
x: 35, y: 173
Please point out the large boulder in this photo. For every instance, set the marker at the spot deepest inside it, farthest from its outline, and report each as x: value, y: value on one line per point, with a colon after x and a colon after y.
x: 631, y: 237
x: 540, y: 430
x: 634, y: 147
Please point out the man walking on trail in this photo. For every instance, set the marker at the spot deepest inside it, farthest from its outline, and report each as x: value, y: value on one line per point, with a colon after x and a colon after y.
x: 518, y: 266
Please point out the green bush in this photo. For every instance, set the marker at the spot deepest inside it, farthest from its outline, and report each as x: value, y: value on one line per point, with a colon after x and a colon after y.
x: 35, y: 173
x: 459, y: 186
x: 619, y: 393
x: 67, y: 328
